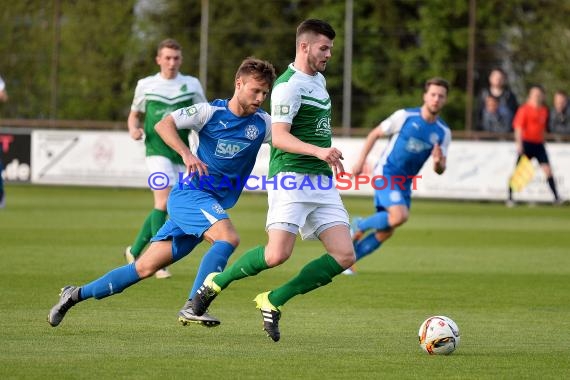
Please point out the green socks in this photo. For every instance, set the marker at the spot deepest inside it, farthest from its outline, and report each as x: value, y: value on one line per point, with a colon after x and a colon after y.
x: 315, y: 274
x: 154, y: 220
x: 249, y: 264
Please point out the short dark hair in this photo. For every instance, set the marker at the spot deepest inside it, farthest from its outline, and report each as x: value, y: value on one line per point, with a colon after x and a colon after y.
x: 537, y: 86
x: 561, y: 92
x: 317, y: 27
x: 436, y: 81
x: 499, y: 69
x: 259, y: 69
x: 168, y: 43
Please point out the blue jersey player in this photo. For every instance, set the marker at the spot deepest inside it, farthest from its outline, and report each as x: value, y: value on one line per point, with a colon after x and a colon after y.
x: 230, y: 133
x: 416, y: 134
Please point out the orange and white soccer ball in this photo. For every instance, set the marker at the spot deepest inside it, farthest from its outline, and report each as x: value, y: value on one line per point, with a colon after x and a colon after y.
x: 439, y: 335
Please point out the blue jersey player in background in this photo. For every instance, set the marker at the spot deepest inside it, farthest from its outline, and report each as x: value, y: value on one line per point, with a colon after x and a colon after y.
x: 230, y: 133
x: 416, y: 134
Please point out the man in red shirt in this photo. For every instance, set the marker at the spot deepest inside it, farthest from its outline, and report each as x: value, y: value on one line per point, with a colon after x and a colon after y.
x: 530, y: 123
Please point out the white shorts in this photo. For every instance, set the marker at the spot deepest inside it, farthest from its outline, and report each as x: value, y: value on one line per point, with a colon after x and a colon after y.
x: 309, y: 209
x: 162, y: 164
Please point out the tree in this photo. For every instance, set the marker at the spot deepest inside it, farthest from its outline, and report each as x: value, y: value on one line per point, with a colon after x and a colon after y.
x: 94, y: 43
x: 106, y: 46
x: 25, y: 48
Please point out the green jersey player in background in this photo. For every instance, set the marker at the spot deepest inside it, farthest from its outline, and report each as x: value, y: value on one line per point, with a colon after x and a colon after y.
x: 302, y: 153
x: 156, y: 96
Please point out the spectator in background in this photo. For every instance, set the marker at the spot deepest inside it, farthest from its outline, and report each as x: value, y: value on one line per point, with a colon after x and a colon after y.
x: 3, y: 98
x: 559, y: 121
x: 530, y: 125
x: 498, y: 88
x: 3, y: 93
x: 494, y: 118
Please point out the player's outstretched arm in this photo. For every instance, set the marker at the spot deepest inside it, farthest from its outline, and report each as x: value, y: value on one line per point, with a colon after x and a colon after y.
x: 166, y: 129
x: 369, y: 143
x: 438, y: 159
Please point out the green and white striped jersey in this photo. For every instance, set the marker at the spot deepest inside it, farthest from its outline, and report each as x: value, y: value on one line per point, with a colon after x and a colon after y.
x: 301, y: 100
x: 157, y: 97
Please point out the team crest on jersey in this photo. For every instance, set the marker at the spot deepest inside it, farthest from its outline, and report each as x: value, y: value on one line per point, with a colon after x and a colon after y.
x: 229, y: 148
x: 188, y: 111
x: 184, y: 88
x: 416, y: 145
x: 323, y: 127
x: 251, y: 132
x: 395, y: 196
x: 281, y: 110
x: 218, y: 209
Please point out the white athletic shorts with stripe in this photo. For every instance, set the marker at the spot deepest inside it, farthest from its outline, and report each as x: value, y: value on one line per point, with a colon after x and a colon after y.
x: 156, y: 164
x: 304, y: 203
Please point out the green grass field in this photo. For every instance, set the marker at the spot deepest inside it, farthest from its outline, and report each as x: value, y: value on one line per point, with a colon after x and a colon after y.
x: 502, y: 274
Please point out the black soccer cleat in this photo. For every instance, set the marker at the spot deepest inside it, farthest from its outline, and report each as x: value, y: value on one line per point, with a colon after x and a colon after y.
x: 205, y: 295
x: 270, y: 314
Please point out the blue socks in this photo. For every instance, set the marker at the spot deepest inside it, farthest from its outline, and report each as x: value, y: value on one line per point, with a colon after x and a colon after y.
x: 369, y: 244
x: 111, y: 283
x: 378, y: 221
x: 214, y: 260
x: 366, y: 246
x: 119, y: 279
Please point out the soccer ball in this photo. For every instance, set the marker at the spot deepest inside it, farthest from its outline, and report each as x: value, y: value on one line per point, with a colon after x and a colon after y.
x: 439, y: 335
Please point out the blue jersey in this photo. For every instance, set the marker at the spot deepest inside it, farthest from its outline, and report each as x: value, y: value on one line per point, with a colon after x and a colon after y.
x: 228, y: 144
x: 412, y: 140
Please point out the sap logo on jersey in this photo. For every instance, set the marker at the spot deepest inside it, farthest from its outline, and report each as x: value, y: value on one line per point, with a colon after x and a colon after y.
x: 228, y: 148
x: 417, y: 146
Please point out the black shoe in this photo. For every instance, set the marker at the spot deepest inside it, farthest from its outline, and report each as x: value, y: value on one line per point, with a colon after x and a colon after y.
x: 270, y: 314
x: 205, y: 295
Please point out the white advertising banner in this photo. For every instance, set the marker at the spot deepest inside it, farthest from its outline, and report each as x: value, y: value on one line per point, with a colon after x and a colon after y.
x: 477, y: 170
x: 106, y: 158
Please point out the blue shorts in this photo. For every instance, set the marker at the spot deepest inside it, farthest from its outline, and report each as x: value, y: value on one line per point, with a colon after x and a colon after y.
x: 391, y: 195
x: 190, y: 214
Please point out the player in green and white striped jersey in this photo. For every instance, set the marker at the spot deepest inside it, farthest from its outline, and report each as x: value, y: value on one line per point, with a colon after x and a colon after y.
x: 302, y: 153
x: 156, y: 96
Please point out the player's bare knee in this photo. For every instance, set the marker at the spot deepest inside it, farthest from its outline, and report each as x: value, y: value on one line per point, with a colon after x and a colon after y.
x: 345, y: 258
x: 233, y: 239
x: 350, y: 260
x: 398, y: 218
x: 145, y: 271
x: 275, y: 257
